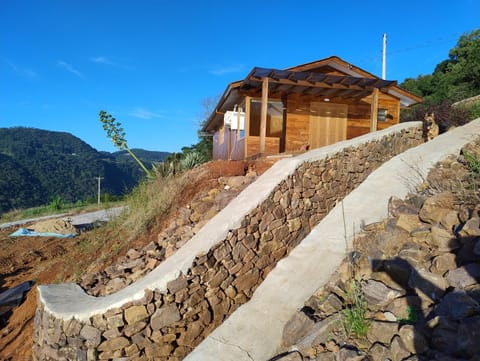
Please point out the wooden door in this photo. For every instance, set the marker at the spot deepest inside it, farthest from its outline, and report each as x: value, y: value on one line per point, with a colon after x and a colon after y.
x: 328, y: 124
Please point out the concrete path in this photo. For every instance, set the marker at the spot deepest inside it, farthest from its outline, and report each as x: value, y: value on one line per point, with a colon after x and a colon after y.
x: 254, y: 331
x: 103, y: 215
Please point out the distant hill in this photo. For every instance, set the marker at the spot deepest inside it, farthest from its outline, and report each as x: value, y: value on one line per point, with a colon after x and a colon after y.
x: 39, y: 165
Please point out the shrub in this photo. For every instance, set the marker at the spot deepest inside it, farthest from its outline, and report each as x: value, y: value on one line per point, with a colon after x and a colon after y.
x: 446, y: 116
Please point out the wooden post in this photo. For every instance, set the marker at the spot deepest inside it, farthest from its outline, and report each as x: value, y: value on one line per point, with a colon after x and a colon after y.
x: 374, y: 111
x: 283, y: 138
x: 263, y: 115
x: 247, y: 125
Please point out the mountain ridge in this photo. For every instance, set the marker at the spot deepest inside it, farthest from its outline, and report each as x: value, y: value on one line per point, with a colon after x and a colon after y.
x: 40, y: 165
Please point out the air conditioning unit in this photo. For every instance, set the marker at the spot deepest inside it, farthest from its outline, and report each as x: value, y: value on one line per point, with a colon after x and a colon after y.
x: 231, y: 119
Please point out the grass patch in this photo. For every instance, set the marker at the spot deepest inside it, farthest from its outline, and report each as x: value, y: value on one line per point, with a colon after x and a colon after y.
x: 354, y: 316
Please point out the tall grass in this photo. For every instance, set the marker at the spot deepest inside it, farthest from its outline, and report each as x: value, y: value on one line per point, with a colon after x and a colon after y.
x: 149, y: 202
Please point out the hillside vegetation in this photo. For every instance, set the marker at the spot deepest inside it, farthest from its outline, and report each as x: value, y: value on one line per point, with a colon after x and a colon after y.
x: 39, y: 166
x: 453, y: 79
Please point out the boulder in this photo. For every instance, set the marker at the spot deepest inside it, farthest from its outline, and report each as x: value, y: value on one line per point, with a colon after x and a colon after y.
x: 436, y: 207
x: 464, y: 276
x: 377, y: 294
x: 457, y: 305
x: 382, y: 331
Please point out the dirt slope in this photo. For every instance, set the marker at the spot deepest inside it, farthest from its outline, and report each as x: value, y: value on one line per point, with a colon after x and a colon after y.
x: 48, y: 260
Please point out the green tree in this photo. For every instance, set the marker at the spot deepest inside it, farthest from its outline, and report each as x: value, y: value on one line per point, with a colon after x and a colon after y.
x: 115, y: 132
x: 455, y: 78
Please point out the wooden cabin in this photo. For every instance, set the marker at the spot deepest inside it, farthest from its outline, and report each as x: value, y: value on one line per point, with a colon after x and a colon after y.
x: 308, y: 106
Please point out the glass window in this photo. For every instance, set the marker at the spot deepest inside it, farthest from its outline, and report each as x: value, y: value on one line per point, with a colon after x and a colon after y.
x: 274, y: 118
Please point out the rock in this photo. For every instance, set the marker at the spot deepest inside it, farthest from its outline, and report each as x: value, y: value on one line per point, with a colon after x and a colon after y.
x: 379, y: 352
x: 443, y: 263
x: 187, y: 338
x: 397, y: 206
x: 290, y: 356
x: 326, y: 305
x: 409, y: 222
x: 326, y: 356
x: 398, y: 350
x: 378, y: 294
x: 444, y: 336
x: 382, y: 331
x: 436, y: 207
x: 177, y: 284
x: 135, y: 313
x: 72, y: 327
x: 469, y: 336
x: 349, y: 354
x: 413, y: 340
x: 91, y: 335
x: 115, y: 285
x: 114, y: 344
x: 115, y: 321
x: 164, y: 316
x: 398, y: 271
x: 457, y: 305
x: 297, y: 327
x: 403, y: 307
x: 464, y: 276
x: 246, y: 281
x: 332, y: 346
x: 476, y: 248
x: 450, y: 220
x: 428, y: 285
x: 134, y: 328
x: 444, y: 240
x: 133, y: 254
x: 320, y: 332
x: 471, y: 228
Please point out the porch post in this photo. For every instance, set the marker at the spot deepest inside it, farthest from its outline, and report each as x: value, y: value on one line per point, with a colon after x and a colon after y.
x: 247, y: 127
x: 263, y: 115
x: 374, y: 111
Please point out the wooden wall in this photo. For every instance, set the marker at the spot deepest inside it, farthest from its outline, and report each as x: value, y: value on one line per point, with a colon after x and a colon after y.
x: 298, y: 123
x: 232, y: 144
x: 272, y: 145
x: 358, y: 122
x: 358, y: 118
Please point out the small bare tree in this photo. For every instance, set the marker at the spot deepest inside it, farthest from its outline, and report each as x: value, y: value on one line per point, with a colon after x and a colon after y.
x: 115, y: 132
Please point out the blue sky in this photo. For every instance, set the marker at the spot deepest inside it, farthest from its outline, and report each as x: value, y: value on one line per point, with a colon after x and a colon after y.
x: 151, y: 63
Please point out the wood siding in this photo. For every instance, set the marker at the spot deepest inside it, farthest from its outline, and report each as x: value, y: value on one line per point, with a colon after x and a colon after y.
x: 298, y: 124
x: 272, y: 145
x: 358, y: 122
x: 232, y: 145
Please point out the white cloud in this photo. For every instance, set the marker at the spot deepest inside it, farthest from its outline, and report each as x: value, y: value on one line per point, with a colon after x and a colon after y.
x: 227, y: 69
x: 143, y: 113
x: 102, y: 60
x: 68, y: 67
x: 20, y: 70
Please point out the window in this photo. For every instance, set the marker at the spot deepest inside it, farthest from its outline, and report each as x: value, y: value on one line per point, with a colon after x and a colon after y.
x: 274, y: 118
x: 382, y: 115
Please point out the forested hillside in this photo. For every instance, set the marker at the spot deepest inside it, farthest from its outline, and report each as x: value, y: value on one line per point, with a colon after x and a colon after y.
x: 38, y: 166
x: 454, y: 79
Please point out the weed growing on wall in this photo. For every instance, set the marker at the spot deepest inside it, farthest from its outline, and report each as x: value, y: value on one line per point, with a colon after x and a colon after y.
x: 354, y: 316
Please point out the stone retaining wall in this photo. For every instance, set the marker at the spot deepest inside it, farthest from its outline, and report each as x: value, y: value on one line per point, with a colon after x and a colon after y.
x: 167, y: 324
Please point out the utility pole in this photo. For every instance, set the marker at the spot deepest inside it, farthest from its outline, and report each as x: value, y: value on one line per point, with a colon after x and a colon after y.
x: 98, y: 191
x: 384, y: 57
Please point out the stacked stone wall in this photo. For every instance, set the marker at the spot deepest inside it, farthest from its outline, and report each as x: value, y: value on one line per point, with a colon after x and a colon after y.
x: 167, y: 325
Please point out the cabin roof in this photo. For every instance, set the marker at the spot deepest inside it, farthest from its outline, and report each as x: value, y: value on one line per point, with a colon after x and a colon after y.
x: 309, y: 79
